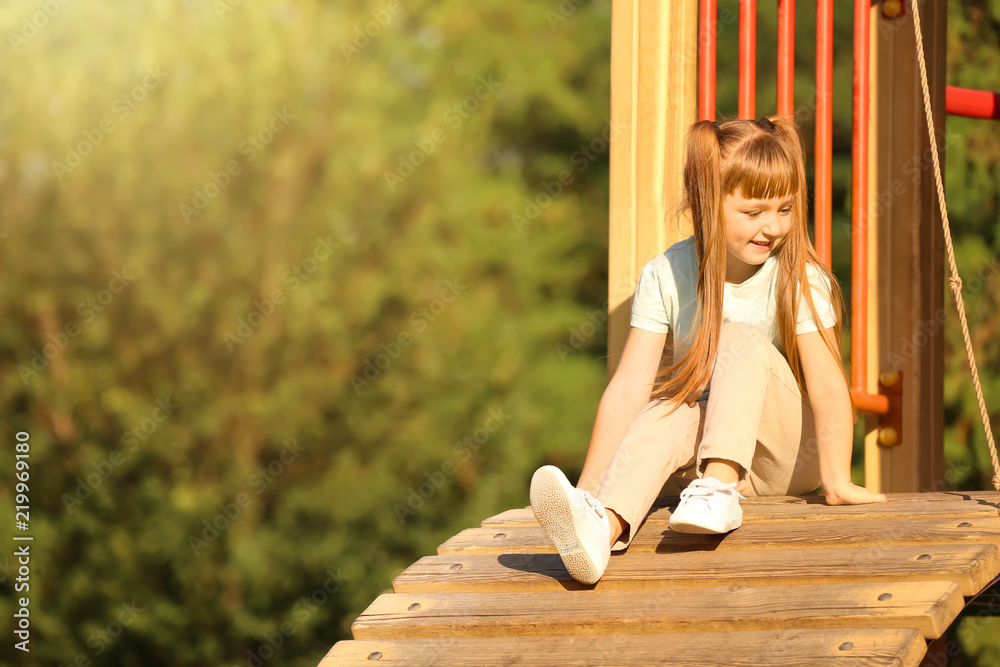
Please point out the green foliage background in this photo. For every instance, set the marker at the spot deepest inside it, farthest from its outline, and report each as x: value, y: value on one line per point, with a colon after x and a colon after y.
x: 472, y: 391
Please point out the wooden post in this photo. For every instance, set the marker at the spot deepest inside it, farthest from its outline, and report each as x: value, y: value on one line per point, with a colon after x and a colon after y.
x: 654, y: 58
x: 907, y: 282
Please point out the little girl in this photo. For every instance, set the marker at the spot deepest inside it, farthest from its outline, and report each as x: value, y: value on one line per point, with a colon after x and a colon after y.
x: 755, y: 401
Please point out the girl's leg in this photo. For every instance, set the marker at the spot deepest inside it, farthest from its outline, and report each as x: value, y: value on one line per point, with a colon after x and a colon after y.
x: 756, y: 418
x: 725, y: 471
x: 655, y: 446
x: 753, y: 424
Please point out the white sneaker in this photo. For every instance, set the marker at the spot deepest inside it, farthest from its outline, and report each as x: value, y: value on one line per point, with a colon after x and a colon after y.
x: 708, y: 507
x: 575, y: 521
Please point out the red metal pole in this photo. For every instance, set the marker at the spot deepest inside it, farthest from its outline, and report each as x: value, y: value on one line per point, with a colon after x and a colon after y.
x: 864, y: 401
x: 786, y: 57
x: 971, y: 103
x: 706, y: 59
x: 823, y: 185
x: 748, y: 59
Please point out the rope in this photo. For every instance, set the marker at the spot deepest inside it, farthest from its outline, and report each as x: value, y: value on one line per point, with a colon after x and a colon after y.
x: 955, y: 281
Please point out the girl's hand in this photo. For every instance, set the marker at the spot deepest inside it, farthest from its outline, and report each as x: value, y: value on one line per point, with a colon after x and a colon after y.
x: 852, y: 494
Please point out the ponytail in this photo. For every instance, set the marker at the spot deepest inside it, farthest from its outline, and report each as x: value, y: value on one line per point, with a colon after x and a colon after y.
x: 685, y: 379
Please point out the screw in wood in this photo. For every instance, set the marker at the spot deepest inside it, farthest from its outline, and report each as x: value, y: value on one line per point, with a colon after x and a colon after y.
x: 884, y: 597
x: 413, y: 607
x: 889, y: 378
x: 924, y: 557
x: 887, y: 436
x: 456, y: 566
x: 499, y: 536
x: 892, y: 8
x: 375, y: 655
x: 846, y: 646
x: 965, y: 524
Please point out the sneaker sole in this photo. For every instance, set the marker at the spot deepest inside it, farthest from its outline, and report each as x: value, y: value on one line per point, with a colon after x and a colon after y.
x: 554, y: 513
x: 706, y: 529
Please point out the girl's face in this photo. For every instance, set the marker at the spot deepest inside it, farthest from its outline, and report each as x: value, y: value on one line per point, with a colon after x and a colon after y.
x: 754, y: 228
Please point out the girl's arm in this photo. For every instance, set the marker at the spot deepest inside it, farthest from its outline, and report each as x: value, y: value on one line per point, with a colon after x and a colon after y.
x: 625, y: 396
x: 831, y: 405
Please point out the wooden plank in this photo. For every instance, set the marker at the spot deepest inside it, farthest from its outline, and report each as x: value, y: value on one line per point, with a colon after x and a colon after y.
x: 798, y: 511
x: 940, y: 496
x: 972, y: 567
x: 992, y: 497
x: 849, y: 647
x: 928, y: 606
x: 654, y: 48
x: 873, y: 533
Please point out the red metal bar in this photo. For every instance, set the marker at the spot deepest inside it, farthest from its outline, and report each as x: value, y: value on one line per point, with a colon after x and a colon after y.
x: 823, y: 160
x: 864, y: 401
x: 706, y: 59
x: 748, y: 59
x: 786, y: 57
x: 877, y: 404
x: 972, y: 103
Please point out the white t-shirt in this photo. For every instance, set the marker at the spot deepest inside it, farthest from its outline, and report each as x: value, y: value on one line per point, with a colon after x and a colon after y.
x: 666, y: 298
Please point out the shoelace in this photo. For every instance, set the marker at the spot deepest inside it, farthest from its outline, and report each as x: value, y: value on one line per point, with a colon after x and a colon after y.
x: 696, y: 490
x: 593, y: 502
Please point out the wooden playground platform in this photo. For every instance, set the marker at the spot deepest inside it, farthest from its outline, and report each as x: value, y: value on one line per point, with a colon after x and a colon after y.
x: 800, y: 583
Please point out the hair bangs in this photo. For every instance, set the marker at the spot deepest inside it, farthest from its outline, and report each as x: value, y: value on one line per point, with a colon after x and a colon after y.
x: 761, y: 169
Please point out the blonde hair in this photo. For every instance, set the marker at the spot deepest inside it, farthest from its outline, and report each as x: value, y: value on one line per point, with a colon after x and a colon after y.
x: 763, y: 159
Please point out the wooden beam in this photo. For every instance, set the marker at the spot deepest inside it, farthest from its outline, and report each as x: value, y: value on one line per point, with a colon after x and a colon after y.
x: 970, y: 566
x: 654, y: 58
x: 938, y: 505
x: 928, y: 606
x: 651, y: 537
x: 843, y: 647
x: 909, y: 274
